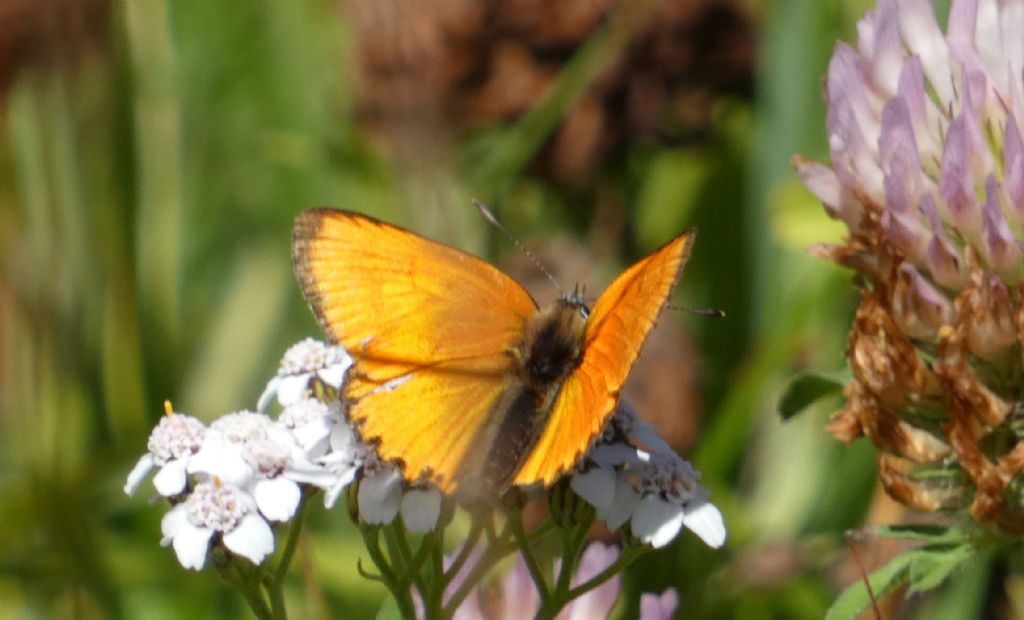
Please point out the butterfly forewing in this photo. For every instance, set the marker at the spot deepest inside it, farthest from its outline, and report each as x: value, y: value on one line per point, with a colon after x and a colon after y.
x: 429, y: 328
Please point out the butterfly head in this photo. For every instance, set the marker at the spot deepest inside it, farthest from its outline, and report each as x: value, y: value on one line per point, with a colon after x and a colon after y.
x: 577, y: 301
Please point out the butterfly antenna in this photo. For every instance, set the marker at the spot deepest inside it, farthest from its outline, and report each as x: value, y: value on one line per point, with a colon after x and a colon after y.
x: 714, y: 313
x: 494, y: 220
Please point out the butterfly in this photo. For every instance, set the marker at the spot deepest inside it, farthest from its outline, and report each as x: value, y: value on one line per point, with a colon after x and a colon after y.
x: 458, y: 377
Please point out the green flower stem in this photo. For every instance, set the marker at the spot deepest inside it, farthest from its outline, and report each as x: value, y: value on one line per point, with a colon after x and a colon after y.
x: 412, y: 562
x: 498, y: 548
x: 540, y: 531
x: 427, y: 548
x: 586, y: 521
x: 398, y: 527
x: 526, y: 548
x: 277, y: 604
x: 475, y: 530
x: 570, y: 555
x: 246, y: 583
x: 628, y: 556
x: 573, y: 542
x: 291, y: 545
x: 583, y: 515
x: 371, y: 537
x: 403, y: 598
x: 492, y: 534
x: 433, y: 597
x: 398, y: 546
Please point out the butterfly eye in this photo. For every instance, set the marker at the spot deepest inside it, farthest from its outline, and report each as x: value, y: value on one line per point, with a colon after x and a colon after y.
x: 584, y: 311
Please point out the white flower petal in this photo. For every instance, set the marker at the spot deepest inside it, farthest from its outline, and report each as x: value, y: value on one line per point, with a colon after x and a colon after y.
x: 138, y: 474
x: 421, y: 509
x: 648, y: 435
x: 334, y: 374
x: 314, y: 475
x: 380, y: 495
x: 657, y: 522
x: 292, y: 389
x: 706, y: 522
x: 173, y: 521
x: 171, y: 478
x: 343, y: 438
x: 268, y: 394
x: 277, y: 498
x: 341, y: 482
x: 612, y: 454
x: 191, y: 543
x: 622, y: 507
x: 252, y: 538
x: 313, y: 437
x: 596, y: 486
x: 224, y: 459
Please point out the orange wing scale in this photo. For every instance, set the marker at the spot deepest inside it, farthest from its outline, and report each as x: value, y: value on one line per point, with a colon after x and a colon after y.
x: 617, y: 327
x: 428, y: 326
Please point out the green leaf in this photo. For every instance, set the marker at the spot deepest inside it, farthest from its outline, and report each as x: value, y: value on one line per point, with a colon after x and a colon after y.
x: 854, y: 599
x: 931, y: 566
x: 931, y: 534
x: 807, y: 388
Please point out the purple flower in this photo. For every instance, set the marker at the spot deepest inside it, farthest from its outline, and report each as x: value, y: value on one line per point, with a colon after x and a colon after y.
x: 659, y: 606
x: 927, y: 173
x: 924, y: 137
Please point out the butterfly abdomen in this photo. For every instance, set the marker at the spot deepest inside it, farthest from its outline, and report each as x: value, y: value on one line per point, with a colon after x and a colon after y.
x: 550, y: 351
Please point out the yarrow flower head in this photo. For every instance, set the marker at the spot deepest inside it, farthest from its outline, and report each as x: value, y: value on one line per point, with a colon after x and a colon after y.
x: 928, y: 175
x: 303, y: 364
x: 266, y: 466
x: 657, y: 492
x: 218, y: 509
x: 176, y: 439
x: 312, y: 422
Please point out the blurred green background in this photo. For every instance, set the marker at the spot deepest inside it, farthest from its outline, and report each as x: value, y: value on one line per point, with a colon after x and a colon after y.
x: 153, y: 155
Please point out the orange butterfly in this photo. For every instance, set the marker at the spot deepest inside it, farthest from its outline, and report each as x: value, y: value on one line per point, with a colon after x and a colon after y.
x: 458, y: 377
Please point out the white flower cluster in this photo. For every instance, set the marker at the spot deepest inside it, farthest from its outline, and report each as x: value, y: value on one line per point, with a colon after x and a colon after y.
x: 233, y: 478
x: 631, y: 475
x: 230, y: 481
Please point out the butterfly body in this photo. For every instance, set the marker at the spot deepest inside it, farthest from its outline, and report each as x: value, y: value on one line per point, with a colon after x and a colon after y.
x: 458, y: 377
x: 550, y: 351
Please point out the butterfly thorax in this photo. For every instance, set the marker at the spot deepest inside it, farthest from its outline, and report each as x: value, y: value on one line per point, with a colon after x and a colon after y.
x: 552, y: 342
